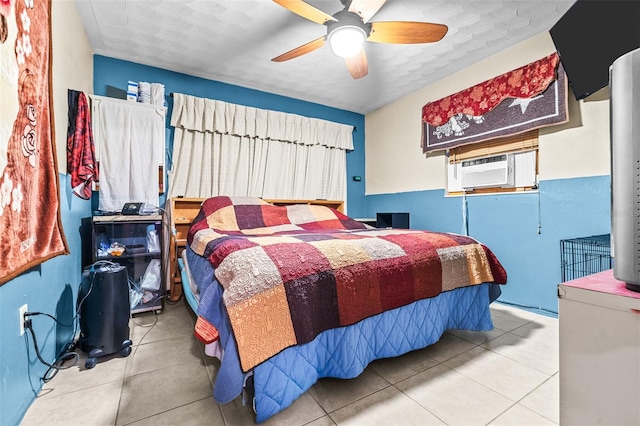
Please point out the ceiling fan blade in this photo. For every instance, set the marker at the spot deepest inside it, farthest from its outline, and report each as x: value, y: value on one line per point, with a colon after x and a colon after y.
x: 357, y: 65
x: 300, y: 50
x: 305, y: 10
x: 406, y: 32
x: 366, y: 8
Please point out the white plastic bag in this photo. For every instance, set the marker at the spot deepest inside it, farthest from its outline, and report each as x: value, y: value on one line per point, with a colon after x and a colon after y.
x: 151, y: 278
x: 153, y: 242
x: 135, y: 295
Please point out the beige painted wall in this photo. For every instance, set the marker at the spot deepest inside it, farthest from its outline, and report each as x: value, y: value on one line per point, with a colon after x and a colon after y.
x: 580, y: 147
x: 72, y: 68
x: 394, y: 159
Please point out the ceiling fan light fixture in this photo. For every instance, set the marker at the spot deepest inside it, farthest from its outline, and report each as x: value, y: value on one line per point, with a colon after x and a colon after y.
x: 346, y: 40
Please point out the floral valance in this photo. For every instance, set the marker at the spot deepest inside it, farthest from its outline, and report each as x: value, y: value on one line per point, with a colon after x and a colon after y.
x: 525, y: 82
x: 209, y: 115
x: 529, y: 97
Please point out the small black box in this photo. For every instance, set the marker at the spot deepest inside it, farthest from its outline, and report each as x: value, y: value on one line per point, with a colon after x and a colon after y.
x: 392, y: 220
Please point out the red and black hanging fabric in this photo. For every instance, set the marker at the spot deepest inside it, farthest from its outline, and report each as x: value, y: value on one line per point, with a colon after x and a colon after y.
x: 81, y: 157
x: 526, y: 98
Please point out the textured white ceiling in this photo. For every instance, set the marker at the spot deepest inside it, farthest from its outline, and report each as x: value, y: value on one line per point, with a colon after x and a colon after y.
x: 233, y: 41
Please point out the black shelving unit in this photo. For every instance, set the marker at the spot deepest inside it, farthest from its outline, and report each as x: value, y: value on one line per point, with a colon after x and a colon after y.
x: 140, y: 238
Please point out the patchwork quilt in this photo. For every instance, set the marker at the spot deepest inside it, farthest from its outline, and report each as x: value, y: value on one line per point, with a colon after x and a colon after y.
x: 292, y: 272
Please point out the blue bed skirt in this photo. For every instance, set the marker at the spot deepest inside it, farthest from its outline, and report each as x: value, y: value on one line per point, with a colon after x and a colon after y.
x: 346, y: 351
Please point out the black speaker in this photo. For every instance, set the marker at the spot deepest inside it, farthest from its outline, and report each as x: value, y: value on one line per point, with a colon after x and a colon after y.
x: 103, y: 304
x: 392, y: 220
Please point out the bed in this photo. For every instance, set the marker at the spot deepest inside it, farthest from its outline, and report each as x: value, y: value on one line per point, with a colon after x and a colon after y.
x: 286, y: 295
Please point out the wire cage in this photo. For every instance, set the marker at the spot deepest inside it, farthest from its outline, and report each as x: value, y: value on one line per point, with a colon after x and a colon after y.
x: 585, y: 256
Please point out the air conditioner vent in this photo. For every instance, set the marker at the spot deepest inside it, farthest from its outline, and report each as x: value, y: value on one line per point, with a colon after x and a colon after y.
x: 488, y: 172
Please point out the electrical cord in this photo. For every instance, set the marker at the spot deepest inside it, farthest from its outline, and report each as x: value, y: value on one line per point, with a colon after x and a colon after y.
x: 150, y: 326
x: 67, y: 355
x: 53, y: 368
x: 99, y: 263
x: 30, y: 314
x: 64, y: 355
x: 145, y: 325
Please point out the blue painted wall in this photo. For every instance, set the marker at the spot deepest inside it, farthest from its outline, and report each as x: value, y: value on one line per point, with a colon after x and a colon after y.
x: 111, y: 76
x: 508, y: 224
x: 52, y: 287
x: 49, y: 288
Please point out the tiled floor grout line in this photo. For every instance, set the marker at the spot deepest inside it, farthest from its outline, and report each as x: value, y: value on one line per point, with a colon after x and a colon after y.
x: 504, y: 356
x: 200, y: 357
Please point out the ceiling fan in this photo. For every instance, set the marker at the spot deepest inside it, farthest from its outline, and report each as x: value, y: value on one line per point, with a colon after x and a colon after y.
x: 348, y: 29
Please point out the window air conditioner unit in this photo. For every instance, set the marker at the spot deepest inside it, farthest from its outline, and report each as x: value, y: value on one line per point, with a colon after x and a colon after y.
x: 488, y: 172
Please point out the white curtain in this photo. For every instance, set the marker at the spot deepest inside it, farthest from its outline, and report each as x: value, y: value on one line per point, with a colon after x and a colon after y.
x: 226, y: 149
x: 130, y: 145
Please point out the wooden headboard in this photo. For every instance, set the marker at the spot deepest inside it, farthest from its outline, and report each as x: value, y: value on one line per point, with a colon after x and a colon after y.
x: 183, y: 210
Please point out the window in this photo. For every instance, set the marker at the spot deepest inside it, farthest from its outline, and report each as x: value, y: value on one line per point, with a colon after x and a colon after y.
x: 508, y: 164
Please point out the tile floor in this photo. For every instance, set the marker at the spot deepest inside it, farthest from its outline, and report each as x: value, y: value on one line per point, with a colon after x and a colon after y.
x: 508, y: 376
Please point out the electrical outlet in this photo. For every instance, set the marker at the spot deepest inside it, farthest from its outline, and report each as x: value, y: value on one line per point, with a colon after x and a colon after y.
x: 21, y: 318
